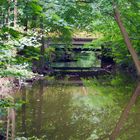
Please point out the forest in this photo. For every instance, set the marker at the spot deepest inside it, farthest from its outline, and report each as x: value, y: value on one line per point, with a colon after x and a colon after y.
x: 69, y: 69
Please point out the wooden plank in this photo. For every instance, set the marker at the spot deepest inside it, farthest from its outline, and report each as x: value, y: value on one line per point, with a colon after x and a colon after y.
x: 79, y: 49
x: 77, y: 68
x: 81, y: 73
x: 75, y: 41
x: 84, y: 39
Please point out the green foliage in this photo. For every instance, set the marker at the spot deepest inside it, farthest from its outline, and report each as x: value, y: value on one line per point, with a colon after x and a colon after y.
x: 106, y: 24
x: 8, y: 103
x: 18, y: 71
x: 59, y: 19
x: 33, y: 17
x: 9, y: 31
x: 9, y: 64
x: 4, y: 103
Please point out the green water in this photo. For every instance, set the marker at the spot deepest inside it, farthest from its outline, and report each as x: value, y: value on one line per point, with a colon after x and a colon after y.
x: 74, y: 112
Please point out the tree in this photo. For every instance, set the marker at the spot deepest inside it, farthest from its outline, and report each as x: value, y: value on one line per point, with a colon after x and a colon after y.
x: 109, y: 9
x: 126, y: 38
x: 15, y: 13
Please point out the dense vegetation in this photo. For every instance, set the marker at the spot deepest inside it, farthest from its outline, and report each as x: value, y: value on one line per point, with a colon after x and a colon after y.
x: 27, y: 25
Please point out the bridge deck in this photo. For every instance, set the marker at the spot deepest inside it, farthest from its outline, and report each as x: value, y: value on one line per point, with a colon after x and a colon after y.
x: 77, y: 68
x: 74, y: 42
x: 82, y: 73
x: 78, y: 49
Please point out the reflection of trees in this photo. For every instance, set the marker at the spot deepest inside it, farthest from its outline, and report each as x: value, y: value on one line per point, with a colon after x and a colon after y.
x: 7, y: 120
x: 54, y: 112
x: 23, y: 96
x: 39, y: 107
x: 112, y: 113
x: 50, y: 106
x: 125, y: 113
x: 119, y: 90
x: 50, y: 112
x: 10, y: 132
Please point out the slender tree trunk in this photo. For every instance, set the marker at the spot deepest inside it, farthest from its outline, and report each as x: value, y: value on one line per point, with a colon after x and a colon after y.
x: 26, y: 24
x: 135, y: 58
x: 8, y: 14
x: 127, y: 39
x: 3, y: 19
x: 34, y: 21
x: 42, y: 48
x: 42, y: 53
x: 15, y: 13
x: 26, y: 20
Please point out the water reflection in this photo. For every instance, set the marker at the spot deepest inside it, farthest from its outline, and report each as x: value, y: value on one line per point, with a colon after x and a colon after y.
x: 9, y: 123
x: 23, y: 116
x: 55, y: 113
x: 63, y: 112
x: 125, y: 113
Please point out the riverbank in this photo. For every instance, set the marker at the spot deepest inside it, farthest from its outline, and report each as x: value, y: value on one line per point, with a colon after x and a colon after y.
x: 10, y: 85
x: 7, y: 86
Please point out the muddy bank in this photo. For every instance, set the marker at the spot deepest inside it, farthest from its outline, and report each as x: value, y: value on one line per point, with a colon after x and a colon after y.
x: 10, y: 85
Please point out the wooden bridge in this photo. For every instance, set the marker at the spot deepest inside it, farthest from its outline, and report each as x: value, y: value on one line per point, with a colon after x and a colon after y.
x: 77, y: 46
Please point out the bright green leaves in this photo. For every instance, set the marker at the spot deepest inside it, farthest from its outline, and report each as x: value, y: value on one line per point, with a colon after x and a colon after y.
x: 37, y: 9
x: 13, y: 33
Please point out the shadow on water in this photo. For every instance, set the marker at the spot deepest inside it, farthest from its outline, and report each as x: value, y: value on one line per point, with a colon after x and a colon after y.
x: 68, y: 112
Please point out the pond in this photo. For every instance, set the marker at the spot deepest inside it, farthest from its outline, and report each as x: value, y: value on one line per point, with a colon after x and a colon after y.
x: 64, y: 110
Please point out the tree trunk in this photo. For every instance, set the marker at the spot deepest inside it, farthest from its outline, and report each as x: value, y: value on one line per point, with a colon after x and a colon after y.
x: 8, y: 14
x: 34, y: 21
x: 42, y: 48
x: 15, y: 13
x: 26, y: 19
x: 42, y: 52
x: 26, y: 24
x: 127, y: 40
